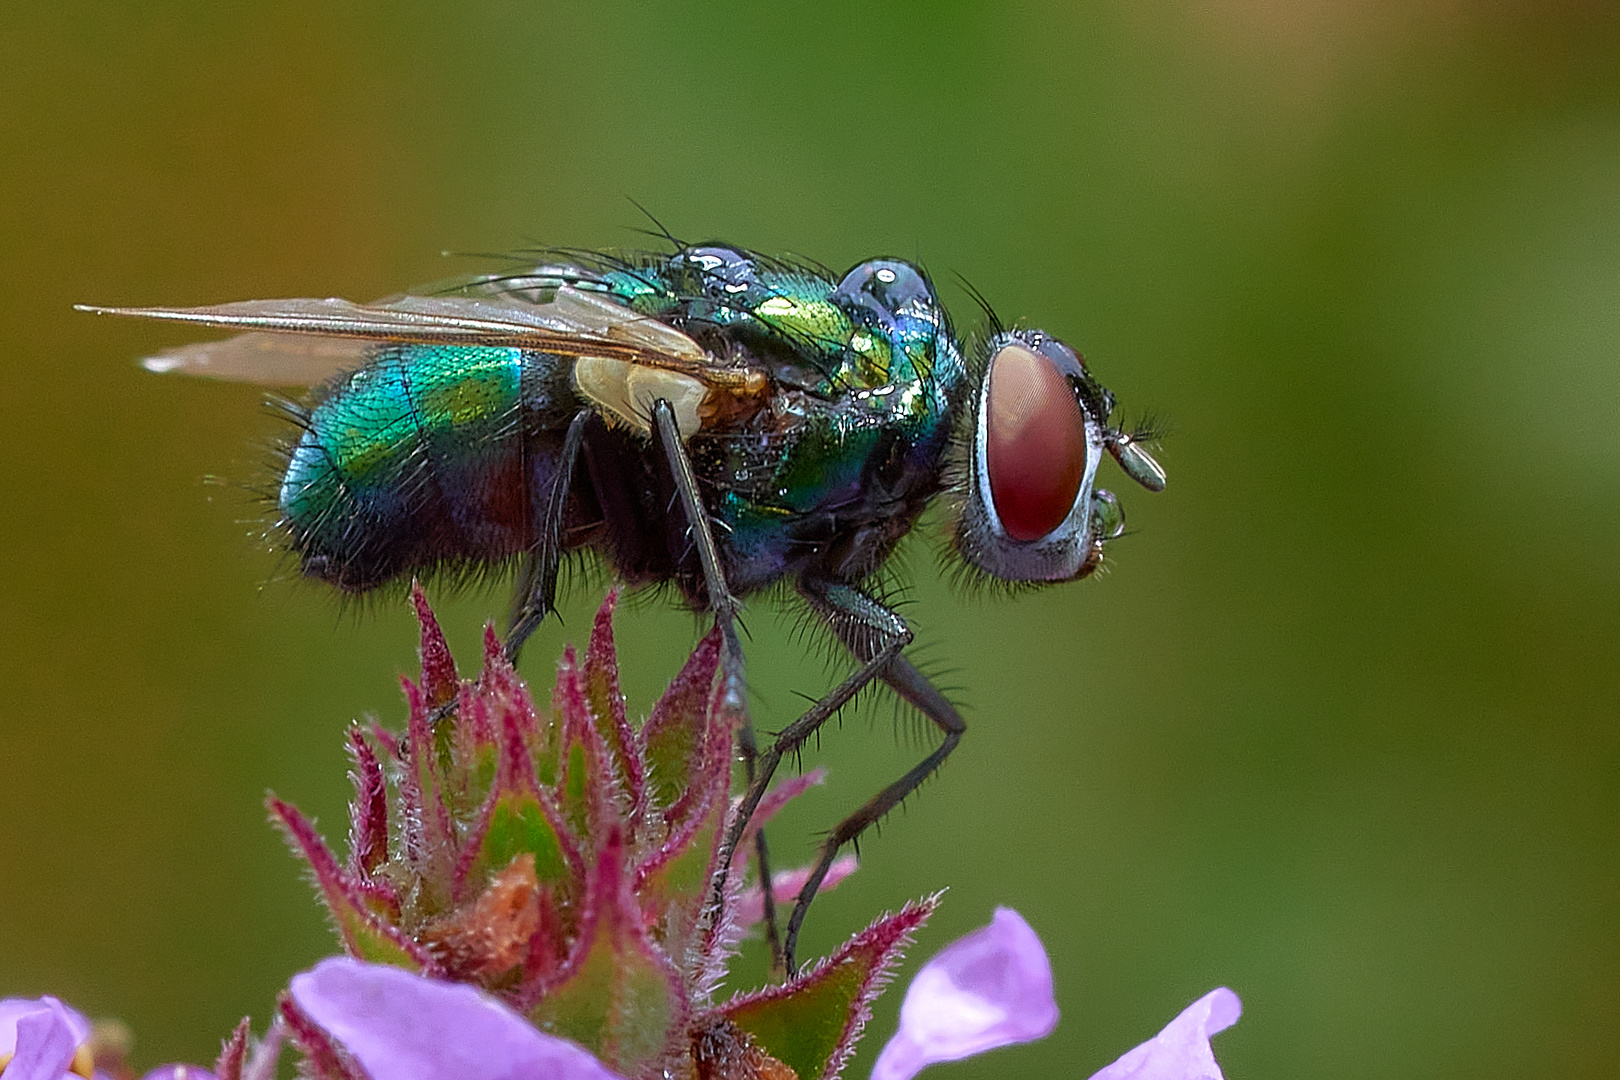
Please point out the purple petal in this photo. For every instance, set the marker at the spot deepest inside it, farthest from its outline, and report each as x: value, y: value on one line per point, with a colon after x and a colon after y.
x: 785, y: 887
x: 992, y: 988
x: 179, y: 1072
x: 1181, y: 1051
x: 44, y: 1035
x: 406, y: 1027
x: 11, y: 1009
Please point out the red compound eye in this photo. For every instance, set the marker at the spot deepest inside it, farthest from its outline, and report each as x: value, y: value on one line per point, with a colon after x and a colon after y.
x: 1035, y: 443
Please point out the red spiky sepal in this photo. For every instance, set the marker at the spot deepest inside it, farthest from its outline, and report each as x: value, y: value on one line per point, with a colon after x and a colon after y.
x: 564, y: 861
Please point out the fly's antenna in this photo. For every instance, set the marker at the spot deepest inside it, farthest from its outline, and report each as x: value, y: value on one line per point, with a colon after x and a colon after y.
x: 1129, y: 449
x: 997, y: 327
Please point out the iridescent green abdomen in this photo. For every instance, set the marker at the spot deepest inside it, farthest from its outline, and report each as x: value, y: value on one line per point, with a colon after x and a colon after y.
x: 417, y: 452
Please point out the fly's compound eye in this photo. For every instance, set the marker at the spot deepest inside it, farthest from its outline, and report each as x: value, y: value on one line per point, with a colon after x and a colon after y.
x: 1035, y: 442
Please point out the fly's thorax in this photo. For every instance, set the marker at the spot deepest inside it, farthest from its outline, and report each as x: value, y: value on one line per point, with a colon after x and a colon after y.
x: 866, y: 382
x: 879, y: 326
x: 1031, y: 510
x: 876, y: 342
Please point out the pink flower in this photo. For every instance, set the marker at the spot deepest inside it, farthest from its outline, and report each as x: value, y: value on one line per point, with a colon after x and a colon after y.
x: 994, y: 988
x: 566, y: 862
x: 355, y: 1020
x: 42, y: 1039
x: 991, y: 988
x: 536, y: 893
x: 1181, y: 1051
x: 405, y: 1027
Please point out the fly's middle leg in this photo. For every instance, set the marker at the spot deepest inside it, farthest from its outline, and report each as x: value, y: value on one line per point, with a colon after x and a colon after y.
x: 732, y: 668
x: 536, y: 592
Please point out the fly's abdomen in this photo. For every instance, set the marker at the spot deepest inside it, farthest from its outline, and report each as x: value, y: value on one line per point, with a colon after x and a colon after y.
x: 412, y: 461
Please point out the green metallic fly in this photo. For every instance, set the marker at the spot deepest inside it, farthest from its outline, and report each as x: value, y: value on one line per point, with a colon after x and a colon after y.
x: 799, y: 421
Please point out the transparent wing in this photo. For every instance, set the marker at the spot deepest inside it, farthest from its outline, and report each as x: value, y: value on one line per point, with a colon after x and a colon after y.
x: 266, y: 359
x: 305, y: 341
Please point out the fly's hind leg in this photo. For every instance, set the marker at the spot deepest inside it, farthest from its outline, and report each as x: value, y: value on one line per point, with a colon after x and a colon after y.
x: 726, y: 608
x: 876, y: 636
x: 912, y: 685
x: 536, y: 590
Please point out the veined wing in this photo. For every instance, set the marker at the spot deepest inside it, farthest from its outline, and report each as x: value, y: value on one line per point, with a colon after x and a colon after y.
x: 300, y: 342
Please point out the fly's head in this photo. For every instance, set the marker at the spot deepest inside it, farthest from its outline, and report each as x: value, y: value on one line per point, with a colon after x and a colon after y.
x: 1031, y: 510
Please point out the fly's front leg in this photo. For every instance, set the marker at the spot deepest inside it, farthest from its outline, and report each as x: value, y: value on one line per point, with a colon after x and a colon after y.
x: 725, y: 608
x: 875, y: 635
x: 537, y: 585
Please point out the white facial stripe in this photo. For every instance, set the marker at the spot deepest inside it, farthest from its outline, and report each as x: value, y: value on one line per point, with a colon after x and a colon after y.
x: 981, y: 463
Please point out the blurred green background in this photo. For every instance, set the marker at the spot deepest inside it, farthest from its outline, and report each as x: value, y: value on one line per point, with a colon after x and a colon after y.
x: 1338, y: 731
